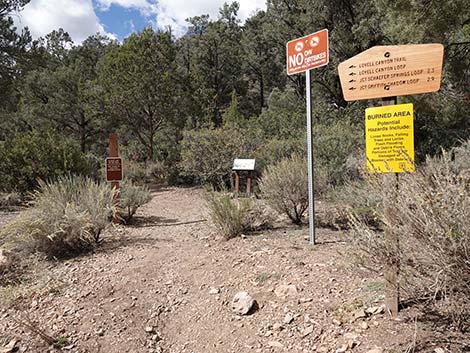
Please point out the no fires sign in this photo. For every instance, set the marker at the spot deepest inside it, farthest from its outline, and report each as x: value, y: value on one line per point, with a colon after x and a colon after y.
x: 307, y: 52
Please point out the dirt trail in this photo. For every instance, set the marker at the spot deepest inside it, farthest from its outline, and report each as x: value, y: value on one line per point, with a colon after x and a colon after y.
x: 165, y: 284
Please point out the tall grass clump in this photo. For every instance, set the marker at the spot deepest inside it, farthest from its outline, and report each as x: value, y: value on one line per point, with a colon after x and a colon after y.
x: 431, y: 217
x: 65, y: 217
x: 131, y: 198
x: 285, y: 187
x: 232, y: 217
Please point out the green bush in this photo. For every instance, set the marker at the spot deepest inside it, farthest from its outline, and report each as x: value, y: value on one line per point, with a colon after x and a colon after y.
x: 232, y: 217
x: 66, y: 216
x: 285, y: 187
x: 207, y: 155
x: 131, y: 198
x: 430, y: 213
x: 29, y: 157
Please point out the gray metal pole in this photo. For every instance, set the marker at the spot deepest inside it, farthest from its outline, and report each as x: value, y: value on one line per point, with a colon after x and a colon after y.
x: 311, y: 204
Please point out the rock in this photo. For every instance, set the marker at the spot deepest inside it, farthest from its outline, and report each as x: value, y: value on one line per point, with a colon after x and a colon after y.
x: 277, y: 327
x: 375, y: 350
x: 213, y: 291
x: 359, y: 314
x: 288, y: 318
x: 286, y: 290
x: 10, y: 347
x: 363, y: 325
x: 6, y: 260
x: 375, y: 310
x: 242, y: 303
x: 439, y: 350
x: 307, y: 331
x: 275, y: 344
x: 342, y: 349
x: 149, y: 329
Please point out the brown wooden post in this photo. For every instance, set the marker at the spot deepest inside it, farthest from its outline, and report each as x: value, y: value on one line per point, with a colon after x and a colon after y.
x: 248, y: 183
x: 114, y: 152
x: 237, y: 182
x: 390, y: 189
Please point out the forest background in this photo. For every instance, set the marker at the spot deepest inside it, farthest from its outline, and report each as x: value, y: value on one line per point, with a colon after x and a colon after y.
x: 185, y: 107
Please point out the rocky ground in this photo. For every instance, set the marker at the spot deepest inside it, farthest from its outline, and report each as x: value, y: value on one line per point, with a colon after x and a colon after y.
x: 167, y: 283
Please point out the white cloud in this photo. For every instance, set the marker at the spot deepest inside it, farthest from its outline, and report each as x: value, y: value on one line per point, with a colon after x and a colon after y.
x: 77, y: 17
x: 142, y: 5
x: 175, y: 12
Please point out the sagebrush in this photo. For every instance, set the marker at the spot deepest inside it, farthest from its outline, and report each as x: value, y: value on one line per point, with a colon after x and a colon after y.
x: 431, y: 217
x: 65, y: 216
x: 284, y: 186
x: 131, y: 198
x: 232, y: 217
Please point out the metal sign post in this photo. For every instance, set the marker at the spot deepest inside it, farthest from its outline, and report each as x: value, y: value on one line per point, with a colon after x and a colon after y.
x: 303, y: 54
x: 311, y: 201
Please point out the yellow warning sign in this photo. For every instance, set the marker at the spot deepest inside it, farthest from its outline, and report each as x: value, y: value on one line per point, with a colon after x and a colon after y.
x: 390, y: 139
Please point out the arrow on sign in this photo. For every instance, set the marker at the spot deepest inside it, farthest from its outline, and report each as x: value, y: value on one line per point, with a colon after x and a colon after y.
x: 352, y: 81
x: 352, y: 74
x: 352, y: 67
x: 352, y: 88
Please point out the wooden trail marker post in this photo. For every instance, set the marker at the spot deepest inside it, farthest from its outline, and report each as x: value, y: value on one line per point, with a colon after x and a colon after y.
x: 304, y: 54
x: 387, y: 72
x: 114, y: 168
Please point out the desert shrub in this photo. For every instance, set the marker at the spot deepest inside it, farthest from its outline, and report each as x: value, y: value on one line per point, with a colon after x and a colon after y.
x: 65, y: 217
x: 285, y: 187
x: 10, y: 200
x: 207, y: 155
x: 430, y: 214
x: 274, y: 150
x: 232, y: 217
x: 131, y: 198
x: 29, y: 157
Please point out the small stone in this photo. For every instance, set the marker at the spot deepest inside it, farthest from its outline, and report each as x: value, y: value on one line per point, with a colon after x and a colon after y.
x: 286, y: 290
x: 375, y: 310
x: 288, y: 318
x: 337, y: 322
x: 149, y: 329
x: 213, y: 291
x: 277, y: 327
x: 375, y: 350
x: 342, y: 349
x: 439, y: 350
x: 275, y: 344
x: 359, y: 314
x: 307, y: 331
x: 100, y: 332
x: 6, y: 260
x: 363, y: 325
x: 242, y: 303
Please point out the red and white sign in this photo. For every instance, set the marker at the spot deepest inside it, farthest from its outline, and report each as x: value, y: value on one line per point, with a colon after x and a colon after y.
x: 307, y: 52
x: 114, y: 169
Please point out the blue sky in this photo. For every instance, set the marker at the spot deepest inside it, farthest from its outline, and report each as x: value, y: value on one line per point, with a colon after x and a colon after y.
x: 119, y: 18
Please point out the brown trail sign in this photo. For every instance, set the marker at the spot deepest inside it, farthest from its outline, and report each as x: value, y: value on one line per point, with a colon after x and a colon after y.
x: 394, y: 70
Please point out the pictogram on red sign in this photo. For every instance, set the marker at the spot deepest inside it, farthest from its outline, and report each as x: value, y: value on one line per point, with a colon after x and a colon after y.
x: 307, y: 52
x: 114, y: 169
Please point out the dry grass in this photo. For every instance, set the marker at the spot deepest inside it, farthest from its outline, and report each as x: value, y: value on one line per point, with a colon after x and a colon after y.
x: 431, y: 216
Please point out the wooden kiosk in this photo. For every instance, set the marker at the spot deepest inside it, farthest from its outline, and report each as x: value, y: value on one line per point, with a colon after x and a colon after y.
x: 243, y: 166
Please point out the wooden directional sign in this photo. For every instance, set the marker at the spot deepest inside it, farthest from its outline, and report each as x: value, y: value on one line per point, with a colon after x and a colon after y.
x: 113, y: 169
x: 307, y: 52
x: 395, y: 70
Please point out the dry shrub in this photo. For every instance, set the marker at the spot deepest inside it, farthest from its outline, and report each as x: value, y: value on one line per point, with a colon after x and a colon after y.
x: 232, y: 217
x: 284, y: 186
x: 132, y: 197
x: 431, y: 217
x: 66, y: 216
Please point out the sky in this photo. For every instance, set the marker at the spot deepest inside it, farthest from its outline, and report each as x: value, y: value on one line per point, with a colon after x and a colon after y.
x: 119, y: 18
